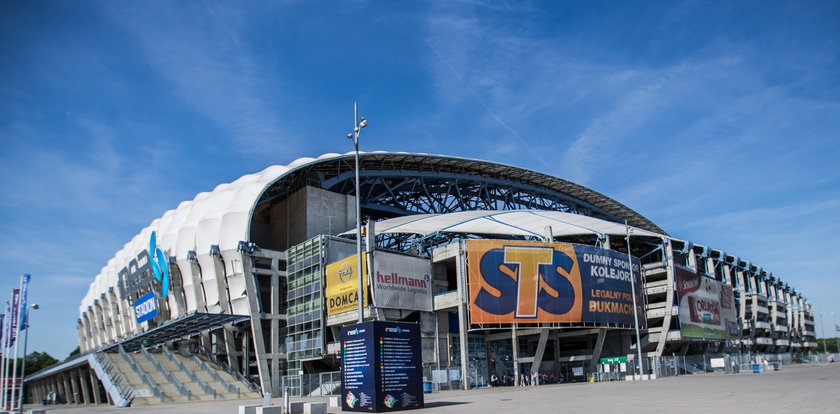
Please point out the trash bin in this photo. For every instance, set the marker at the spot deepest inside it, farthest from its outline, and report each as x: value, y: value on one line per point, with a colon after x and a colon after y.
x: 756, y: 369
x: 427, y: 387
x: 43, y: 402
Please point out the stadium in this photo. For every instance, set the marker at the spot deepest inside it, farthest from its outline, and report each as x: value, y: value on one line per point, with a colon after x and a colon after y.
x: 242, y: 291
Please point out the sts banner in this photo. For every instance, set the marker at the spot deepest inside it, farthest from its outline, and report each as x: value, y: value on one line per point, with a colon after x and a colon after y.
x: 532, y: 282
x: 707, y: 306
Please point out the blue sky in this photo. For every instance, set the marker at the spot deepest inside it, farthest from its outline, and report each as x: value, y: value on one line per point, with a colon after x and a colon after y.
x: 719, y: 121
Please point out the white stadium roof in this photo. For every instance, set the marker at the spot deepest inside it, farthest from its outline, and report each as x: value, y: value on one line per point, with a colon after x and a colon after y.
x: 222, y: 217
x: 507, y: 222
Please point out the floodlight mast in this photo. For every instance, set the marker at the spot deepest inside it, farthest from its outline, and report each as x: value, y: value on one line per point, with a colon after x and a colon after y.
x: 358, y: 124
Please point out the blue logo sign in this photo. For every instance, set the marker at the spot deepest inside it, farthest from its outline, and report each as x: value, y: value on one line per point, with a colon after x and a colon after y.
x: 145, y: 308
x: 160, y: 267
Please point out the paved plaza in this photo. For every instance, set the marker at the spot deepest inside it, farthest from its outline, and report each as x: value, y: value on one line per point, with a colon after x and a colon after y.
x: 813, y: 388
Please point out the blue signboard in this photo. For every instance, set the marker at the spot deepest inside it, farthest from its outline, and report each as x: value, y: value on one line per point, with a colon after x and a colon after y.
x: 607, y: 294
x: 145, y: 308
x: 381, y: 369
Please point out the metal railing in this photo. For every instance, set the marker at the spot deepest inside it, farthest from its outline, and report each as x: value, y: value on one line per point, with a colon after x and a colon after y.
x: 235, y: 374
x: 192, y: 375
x: 124, y: 388
x: 153, y: 387
x: 182, y: 389
x: 204, y: 366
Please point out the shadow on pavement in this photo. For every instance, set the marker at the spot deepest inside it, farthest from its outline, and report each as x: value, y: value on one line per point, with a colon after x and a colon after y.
x: 443, y: 403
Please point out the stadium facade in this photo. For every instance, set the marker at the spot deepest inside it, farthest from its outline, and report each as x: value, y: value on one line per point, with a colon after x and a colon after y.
x: 521, y: 270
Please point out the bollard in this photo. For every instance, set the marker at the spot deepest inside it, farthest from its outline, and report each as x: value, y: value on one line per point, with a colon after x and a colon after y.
x: 295, y: 408
x: 248, y: 409
x: 315, y: 408
x: 286, y: 404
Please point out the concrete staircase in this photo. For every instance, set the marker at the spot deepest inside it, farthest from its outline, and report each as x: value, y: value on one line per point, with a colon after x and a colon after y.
x: 163, y: 377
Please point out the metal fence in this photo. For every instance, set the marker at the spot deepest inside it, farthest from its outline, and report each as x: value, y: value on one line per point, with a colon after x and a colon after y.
x: 669, y: 366
x: 313, y: 385
x: 444, y: 378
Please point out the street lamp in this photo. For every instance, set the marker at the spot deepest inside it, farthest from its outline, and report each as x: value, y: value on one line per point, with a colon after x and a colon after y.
x: 34, y: 306
x: 358, y: 124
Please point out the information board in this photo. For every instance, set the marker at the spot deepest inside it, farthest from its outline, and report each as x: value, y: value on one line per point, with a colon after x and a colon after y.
x: 381, y: 368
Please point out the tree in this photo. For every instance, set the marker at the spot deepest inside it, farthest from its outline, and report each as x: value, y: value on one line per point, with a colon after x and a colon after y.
x: 830, y: 345
x: 37, y: 361
x: 75, y: 352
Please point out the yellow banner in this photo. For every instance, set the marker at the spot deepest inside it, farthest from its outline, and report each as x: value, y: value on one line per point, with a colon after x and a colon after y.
x: 342, y: 290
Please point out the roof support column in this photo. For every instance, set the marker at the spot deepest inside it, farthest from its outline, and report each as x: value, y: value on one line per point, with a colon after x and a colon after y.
x: 670, y: 295
x: 463, y: 324
x: 599, y: 346
x: 535, y: 364
x: 256, y: 326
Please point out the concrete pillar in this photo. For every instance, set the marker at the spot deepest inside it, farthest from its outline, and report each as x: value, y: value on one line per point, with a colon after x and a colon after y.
x: 599, y: 345
x: 515, y: 347
x: 692, y: 259
x: 710, y: 267
x: 538, y: 355
x: 83, y: 380
x: 68, y: 395
x: 94, y: 382
x: 74, y: 387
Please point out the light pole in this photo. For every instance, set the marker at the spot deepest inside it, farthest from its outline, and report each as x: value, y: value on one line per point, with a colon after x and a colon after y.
x: 358, y: 124
x: 633, y: 294
x: 836, y: 339
x: 34, y: 306
x: 822, y: 325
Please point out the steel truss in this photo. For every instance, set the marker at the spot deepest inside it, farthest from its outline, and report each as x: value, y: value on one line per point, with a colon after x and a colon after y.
x: 404, y: 184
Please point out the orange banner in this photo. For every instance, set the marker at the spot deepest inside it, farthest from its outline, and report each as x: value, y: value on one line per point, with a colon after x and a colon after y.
x: 523, y: 282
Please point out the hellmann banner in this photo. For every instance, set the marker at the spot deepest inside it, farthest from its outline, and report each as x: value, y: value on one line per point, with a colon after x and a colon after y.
x: 707, y: 306
x: 534, y: 282
x: 342, y: 290
x: 402, y: 282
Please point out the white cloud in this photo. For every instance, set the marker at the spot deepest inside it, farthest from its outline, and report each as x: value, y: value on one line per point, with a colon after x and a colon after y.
x: 212, y: 70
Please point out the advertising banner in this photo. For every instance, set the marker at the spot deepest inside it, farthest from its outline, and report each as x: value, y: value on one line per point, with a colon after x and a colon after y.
x: 7, y: 325
x: 707, y: 306
x: 402, y: 282
x: 145, y: 308
x: 342, y: 290
x: 13, y: 318
x: 534, y: 282
x: 24, y: 310
x: 381, y: 368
